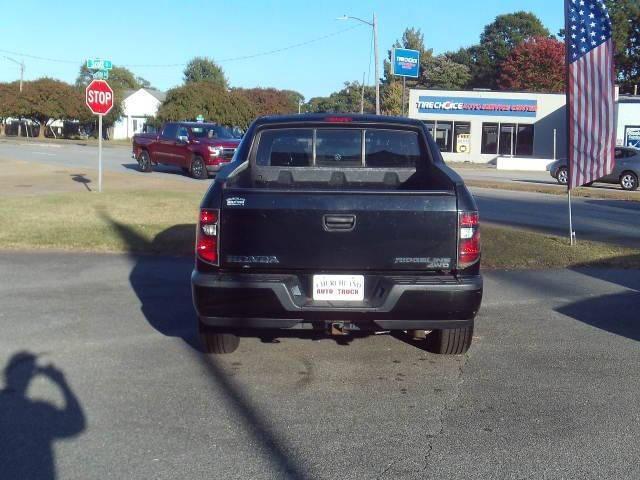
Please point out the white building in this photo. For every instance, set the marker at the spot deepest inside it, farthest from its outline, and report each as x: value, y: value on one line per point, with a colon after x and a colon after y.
x: 481, y: 126
x: 138, y: 106
x: 628, y: 121
x: 513, y: 129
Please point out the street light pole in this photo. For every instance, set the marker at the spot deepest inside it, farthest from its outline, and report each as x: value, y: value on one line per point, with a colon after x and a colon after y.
x: 21, y: 80
x: 375, y: 56
x: 374, y: 25
x: 21, y: 64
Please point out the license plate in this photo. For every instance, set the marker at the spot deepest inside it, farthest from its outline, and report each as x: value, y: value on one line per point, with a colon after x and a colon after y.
x: 338, y: 287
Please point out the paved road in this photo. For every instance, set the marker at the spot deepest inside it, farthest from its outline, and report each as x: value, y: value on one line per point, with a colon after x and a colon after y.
x: 614, y: 221
x: 102, y: 381
x: 115, y: 158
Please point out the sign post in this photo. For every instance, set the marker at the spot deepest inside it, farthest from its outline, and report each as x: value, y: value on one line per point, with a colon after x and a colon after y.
x: 406, y: 63
x: 99, y: 99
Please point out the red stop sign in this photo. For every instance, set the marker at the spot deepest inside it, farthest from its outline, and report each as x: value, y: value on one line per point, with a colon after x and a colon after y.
x: 99, y: 97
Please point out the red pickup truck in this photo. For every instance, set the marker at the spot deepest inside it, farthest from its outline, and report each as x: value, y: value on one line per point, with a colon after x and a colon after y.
x: 199, y: 149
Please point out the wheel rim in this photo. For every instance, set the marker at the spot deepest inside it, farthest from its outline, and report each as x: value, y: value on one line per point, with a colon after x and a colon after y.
x: 562, y: 176
x: 143, y: 161
x: 197, y: 168
x: 628, y: 182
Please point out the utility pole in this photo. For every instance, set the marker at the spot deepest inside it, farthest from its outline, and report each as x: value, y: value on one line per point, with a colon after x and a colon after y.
x: 362, y: 96
x: 373, y: 24
x: 375, y: 57
x: 21, y: 64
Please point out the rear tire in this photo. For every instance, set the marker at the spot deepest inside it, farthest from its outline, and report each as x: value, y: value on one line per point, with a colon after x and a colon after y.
x: 450, y: 341
x: 198, y: 168
x: 562, y: 176
x: 217, y: 341
x: 629, y: 181
x: 144, y: 161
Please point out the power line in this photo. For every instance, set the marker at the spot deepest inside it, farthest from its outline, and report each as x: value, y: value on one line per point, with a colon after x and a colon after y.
x: 45, y: 59
x: 170, y: 65
x: 255, y: 55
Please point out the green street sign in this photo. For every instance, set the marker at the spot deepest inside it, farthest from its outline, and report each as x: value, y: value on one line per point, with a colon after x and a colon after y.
x: 101, y: 75
x: 98, y: 64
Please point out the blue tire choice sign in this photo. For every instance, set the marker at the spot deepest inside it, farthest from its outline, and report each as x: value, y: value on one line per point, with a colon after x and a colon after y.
x: 632, y: 137
x: 477, y: 106
x: 406, y: 63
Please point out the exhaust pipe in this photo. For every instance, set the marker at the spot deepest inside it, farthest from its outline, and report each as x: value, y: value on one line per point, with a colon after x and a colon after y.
x: 337, y: 328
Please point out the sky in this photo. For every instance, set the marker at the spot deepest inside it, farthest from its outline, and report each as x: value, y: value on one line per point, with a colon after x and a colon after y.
x: 155, y: 39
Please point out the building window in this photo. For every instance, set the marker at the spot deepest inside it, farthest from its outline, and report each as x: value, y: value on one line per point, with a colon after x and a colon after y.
x: 489, y: 139
x: 507, y: 139
x: 524, y: 145
x: 507, y: 144
x: 461, y: 132
x: 444, y: 137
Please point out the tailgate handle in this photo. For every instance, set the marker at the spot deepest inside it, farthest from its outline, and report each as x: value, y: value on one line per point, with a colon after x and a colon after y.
x: 339, y: 223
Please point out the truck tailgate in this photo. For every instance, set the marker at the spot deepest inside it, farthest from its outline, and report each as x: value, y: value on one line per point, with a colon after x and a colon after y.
x: 338, y: 230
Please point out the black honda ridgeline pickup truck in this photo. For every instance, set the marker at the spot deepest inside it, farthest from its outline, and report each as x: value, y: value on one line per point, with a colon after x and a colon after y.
x: 339, y: 223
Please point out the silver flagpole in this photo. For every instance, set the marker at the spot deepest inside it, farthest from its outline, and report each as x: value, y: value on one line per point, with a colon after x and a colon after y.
x: 572, y: 234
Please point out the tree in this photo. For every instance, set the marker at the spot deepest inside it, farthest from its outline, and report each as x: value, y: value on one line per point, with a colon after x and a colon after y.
x: 497, y: 41
x: 625, y: 17
x: 208, y: 99
x: 120, y: 79
x: 391, y: 98
x: 413, y: 39
x: 8, y: 94
x: 442, y: 72
x: 269, y: 101
x: 346, y: 100
x: 203, y: 69
x: 45, y: 99
x: 143, y: 82
x: 537, y: 65
x: 435, y: 72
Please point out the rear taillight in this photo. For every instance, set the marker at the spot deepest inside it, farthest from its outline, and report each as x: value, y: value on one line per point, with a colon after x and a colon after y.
x: 207, y: 236
x: 469, y: 240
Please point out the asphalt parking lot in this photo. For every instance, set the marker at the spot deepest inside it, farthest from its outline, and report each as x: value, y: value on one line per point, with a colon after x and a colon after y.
x: 105, y: 382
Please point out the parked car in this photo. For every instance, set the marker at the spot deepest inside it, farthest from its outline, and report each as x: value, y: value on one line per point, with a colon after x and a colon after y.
x: 199, y: 149
x: 340, y: 224
x: 626, y: 171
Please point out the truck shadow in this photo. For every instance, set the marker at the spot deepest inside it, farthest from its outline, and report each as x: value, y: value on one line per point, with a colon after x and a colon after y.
x: 163, y: 287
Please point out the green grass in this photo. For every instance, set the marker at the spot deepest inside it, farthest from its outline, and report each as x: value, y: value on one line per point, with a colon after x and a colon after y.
x: 163, y: 222
x: 508, y: 248
x: 133, y: 221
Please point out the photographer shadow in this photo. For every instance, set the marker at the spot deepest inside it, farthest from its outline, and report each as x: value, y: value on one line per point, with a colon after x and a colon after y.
x: 29, y: 427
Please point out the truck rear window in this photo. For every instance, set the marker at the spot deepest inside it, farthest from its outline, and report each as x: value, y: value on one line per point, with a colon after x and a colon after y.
x: 338, y: 147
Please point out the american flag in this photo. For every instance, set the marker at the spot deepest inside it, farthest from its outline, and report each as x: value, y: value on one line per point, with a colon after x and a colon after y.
x: 590, y: 92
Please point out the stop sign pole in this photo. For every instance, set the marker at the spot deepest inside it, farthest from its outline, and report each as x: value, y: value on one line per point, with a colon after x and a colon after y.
x: 99, y: 99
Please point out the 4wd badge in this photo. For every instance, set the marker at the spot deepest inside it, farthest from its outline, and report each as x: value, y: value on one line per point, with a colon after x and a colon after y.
x: 235, y: 202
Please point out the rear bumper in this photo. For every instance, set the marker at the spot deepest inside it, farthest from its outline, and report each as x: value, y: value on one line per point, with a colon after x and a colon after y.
x: 401, y: 302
